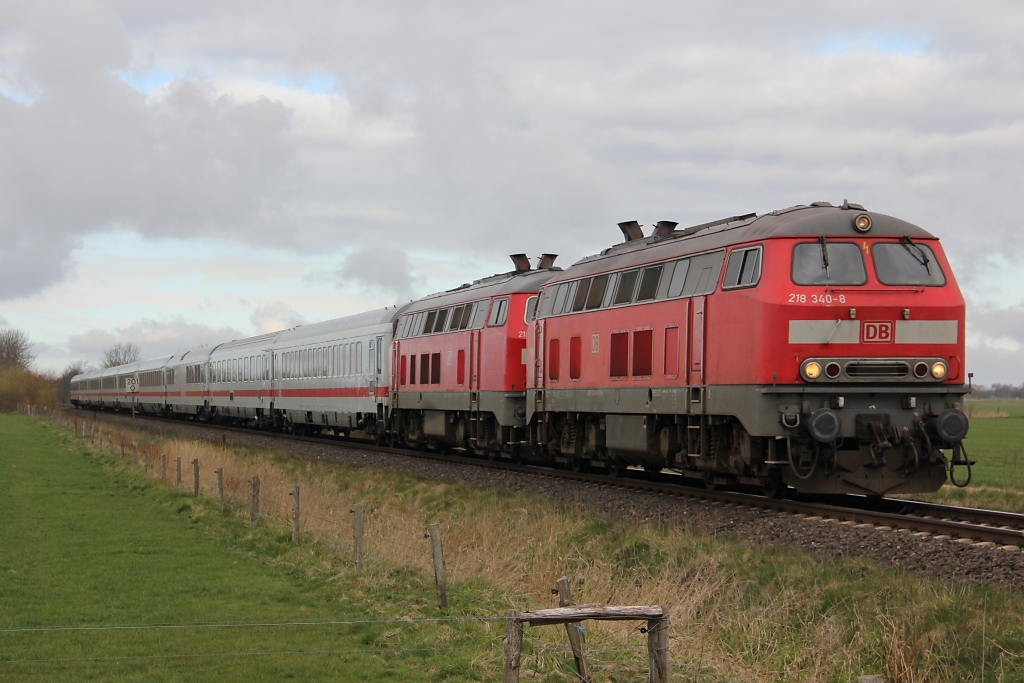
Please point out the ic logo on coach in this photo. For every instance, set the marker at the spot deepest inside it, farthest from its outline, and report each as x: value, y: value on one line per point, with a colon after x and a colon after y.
x: 876, y: 333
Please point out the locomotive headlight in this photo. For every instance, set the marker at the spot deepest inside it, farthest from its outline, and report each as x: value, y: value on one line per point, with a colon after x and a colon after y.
x: 812, y: 370
x: 862, y: 222
x: 939, y: 370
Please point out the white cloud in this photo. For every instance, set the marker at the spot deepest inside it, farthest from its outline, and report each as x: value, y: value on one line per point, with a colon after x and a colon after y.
x: 275, y: 316
x: 154, y: 338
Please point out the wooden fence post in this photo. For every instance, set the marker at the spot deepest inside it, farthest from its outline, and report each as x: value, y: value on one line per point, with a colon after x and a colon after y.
x: 254, y: 502
x: 163, y: 465
x: 220, y: 486
x: 358, y: 522
x: 295, y: 514
x: 575, y: 632
x: 657, y: 649
x: 195, y: 476
x: 122, y: 446
x: 440, y: 577
x: 178, y: 482
x: 512, y: 647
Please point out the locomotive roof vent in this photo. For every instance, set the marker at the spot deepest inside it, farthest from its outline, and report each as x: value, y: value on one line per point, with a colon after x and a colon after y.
x: 546, y: 261
x: 664, y: 228
x: 631, y: 230
x: 829, y: 204
x: 850, y: 205
x: 521, y: 261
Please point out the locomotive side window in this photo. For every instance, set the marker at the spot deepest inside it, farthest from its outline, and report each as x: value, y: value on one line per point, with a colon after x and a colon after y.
x: 675, y: 285
x: 412, y: 368
x: 428, y: 326
x: 744, y: 268
x: 597, y: 289
x: 531, y: 309
x: 499, y: 314
x: 456, y: 318
x: 702, y: 275
x: 559, y: 302
x: 442, y: 318
x: 906, y: 263
x: 582, y: 289
x: 627, y: 283
x: 649, y: 283
x: 828, y: 263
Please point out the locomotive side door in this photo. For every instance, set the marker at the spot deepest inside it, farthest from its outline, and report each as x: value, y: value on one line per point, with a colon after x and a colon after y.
x: 474, y: 360
x: 696, y: 359
x: 538, y: 355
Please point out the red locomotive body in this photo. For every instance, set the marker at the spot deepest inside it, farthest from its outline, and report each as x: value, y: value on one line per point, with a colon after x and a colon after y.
x: 819, y: 347
x: 459, y: 363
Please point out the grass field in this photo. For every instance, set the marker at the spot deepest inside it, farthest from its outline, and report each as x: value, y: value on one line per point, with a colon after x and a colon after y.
x: 99, y: 543
x: 89, y: 545
x: 996, y: 442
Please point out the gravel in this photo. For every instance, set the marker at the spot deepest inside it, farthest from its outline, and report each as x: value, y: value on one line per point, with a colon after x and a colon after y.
x: 945, y: 559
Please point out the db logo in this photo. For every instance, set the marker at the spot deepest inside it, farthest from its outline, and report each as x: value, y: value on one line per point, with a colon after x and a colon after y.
x: 876, y: 333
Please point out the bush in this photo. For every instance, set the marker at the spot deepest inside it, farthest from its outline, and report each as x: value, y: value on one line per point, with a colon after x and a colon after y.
x: 19, y: 386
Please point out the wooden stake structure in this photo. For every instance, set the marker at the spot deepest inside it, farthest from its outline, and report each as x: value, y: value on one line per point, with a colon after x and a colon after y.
x: 657, y: 633
x: 295, y: 514
x: 358, y: 526
x: 440, y: 574
x: 254, y: 502
x: 195, y: 476
x: 575, y: 632
x: 220, y: 486
x: 178, y: 483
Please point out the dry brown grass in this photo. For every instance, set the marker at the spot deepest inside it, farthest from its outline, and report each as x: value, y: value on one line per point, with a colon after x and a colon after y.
x: 737, y: 613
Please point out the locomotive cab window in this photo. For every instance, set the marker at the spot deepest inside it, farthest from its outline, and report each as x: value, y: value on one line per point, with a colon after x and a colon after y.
x: 743, y: 269
x: 906, y: 263
x: 499, y: 313
x: 828, y: 263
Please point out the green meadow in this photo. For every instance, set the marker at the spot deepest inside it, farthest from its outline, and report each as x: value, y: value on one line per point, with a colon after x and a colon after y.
x: 107, y: 575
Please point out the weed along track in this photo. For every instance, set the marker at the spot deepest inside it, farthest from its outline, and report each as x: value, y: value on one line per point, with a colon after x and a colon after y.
x: 944, y: 542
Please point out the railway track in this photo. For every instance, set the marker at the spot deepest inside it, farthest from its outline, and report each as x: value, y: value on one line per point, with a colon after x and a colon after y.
x: 941, y: 522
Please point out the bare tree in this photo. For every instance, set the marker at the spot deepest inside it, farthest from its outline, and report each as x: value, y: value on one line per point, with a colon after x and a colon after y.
x: 75, y: 367
x: 15, y: 349
x: 121, y: 354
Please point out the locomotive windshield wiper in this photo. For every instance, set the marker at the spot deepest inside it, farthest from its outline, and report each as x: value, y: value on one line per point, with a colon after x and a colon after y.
x: 917, y: 252
x: 824, y: 256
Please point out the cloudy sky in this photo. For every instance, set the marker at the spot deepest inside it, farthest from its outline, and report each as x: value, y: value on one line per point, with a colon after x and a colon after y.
x: 177, y: 173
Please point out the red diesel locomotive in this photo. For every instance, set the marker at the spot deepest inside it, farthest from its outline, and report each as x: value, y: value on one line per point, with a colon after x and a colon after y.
x: 818, y: 347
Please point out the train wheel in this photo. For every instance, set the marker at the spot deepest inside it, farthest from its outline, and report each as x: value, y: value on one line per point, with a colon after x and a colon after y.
x: 772, y: 486
x: 578, y: 465
x: 709, y: 481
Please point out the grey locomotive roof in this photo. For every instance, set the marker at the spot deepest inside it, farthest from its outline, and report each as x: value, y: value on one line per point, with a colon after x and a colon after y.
x: 797, y: 221
x: 496, y: 285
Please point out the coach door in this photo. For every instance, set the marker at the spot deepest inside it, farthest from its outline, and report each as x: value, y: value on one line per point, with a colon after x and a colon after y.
x: 696, y: 360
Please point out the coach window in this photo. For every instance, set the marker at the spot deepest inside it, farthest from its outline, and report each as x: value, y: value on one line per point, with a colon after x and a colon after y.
x: 649, y: 284
x: 618, y: 350
x: 643, y: 352
x: 828, y: 263
x: 359, y: 358
x: 554, y: 359
x: 627, y: 283
x: 743, y: 269
x: 499, y: 313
